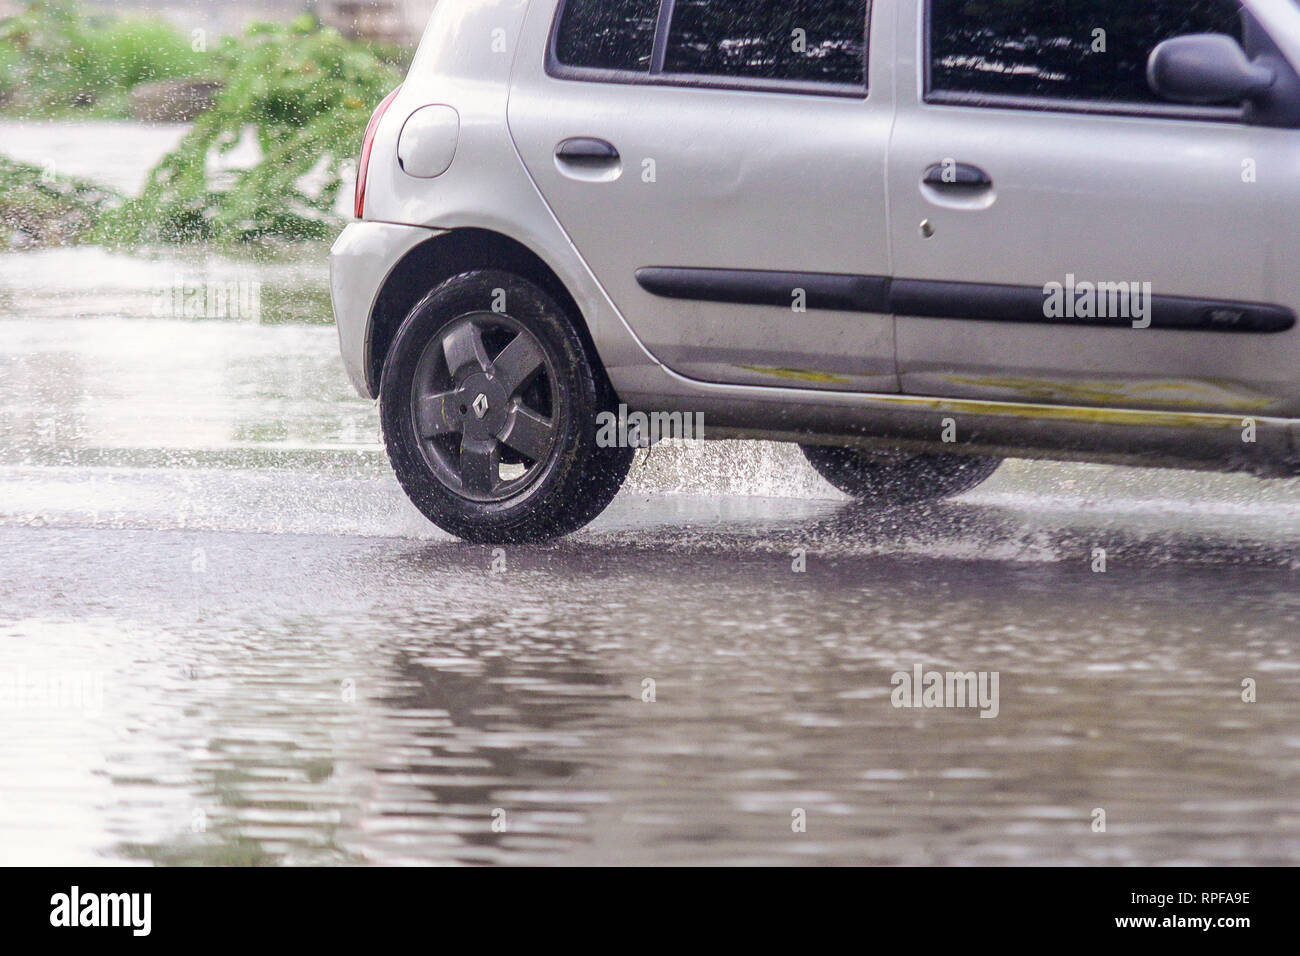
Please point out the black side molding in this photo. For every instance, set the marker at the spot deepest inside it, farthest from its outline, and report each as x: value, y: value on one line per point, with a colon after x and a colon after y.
x: 825, y: 291
x: 923, y: 299
x: 972, y: 301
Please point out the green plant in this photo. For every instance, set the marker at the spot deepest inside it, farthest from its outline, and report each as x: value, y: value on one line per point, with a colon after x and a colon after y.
x: 134, y: 50
x: 37, y: 207
x: 56, y: 57
x: 9, y: 73
x: 305, y: 94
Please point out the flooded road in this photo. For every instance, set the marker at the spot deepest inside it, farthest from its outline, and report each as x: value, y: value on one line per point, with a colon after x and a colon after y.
x: 226, y: 637
x: 333, y: 698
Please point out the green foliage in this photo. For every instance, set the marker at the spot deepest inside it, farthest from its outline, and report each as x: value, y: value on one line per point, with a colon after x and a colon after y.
x: 305, y: 94
x: 301, y: 93
x: 135, y: 50
x: 38, y: 207
x: 10, y: 69
x: 58, y: 57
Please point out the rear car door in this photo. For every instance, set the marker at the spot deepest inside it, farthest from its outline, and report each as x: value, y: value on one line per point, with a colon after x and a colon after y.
x: 1069, y: 181
x: 720, y: 165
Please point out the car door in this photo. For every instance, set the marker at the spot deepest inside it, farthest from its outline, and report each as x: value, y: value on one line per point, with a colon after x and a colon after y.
x: 1038, y: 187
x: 721, y: 168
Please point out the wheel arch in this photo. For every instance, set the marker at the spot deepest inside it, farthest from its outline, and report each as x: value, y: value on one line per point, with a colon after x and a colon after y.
x: 443, y: 256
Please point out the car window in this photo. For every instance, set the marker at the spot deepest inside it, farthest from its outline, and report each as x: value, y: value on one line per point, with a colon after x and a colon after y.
x: 806, y: 40
x: 1062, y: 49
x: 607, y: 34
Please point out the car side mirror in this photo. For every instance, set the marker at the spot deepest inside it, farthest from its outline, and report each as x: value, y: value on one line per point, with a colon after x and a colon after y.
x: 1206, y: 68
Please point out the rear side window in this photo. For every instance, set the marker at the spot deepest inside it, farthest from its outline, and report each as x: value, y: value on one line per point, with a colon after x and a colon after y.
x: 803, y: 40
x: 607, y: 34
x: 1062, y: 49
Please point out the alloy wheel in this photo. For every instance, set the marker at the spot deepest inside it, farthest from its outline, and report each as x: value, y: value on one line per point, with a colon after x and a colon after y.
x: 484, y: 403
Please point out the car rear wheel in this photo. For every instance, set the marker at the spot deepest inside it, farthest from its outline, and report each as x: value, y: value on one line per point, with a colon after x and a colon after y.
x: 489, y: 403
x: 882, y: 479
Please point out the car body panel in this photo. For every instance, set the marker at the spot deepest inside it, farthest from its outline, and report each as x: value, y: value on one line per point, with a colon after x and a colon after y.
x: 464, y: 61
x: 1102, y: 198
x: 361, y: 260
x: 723, y: 178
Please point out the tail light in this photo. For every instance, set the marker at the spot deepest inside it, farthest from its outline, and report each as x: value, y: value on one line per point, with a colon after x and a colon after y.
x: 367, y: 144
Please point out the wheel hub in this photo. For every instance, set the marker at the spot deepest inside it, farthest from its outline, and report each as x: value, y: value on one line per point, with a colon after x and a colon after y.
x: 483, y: 400
x: 484, y: 406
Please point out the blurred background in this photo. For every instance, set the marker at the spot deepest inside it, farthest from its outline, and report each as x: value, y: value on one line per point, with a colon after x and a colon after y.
x: 273, y: 97
x: 171, y: 175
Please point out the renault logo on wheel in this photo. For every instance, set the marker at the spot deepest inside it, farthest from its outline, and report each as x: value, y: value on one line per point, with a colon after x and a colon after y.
x: 480, y: 407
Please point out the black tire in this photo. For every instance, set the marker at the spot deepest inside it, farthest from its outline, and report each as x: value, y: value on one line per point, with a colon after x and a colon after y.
x: 884, y: 480
x: 442, y: 423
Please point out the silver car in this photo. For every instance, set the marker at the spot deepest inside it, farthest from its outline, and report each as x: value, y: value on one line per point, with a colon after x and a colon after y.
x: 913, y: 236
